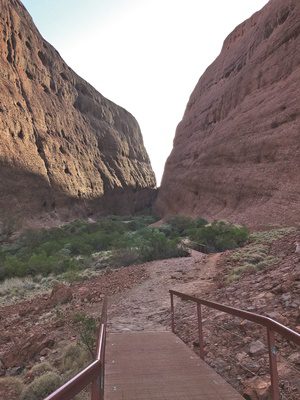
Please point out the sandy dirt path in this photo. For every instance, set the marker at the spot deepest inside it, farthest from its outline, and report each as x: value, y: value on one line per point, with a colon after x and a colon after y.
x: 147, y: 306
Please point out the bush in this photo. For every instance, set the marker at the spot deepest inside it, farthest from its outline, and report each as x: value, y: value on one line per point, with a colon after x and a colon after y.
x: 55, y: 250
x: 124, y: 257
x: 35, y: 264
x: 179, y: 224
x: 75, y: 358
x: 219, y: 236
x: 41, y: 387
x: 140, y: 222
x: 154, y: 245
x: 40, y: 369
x: 68, y: 249
x: 13, y: 386
x: 167, y: 230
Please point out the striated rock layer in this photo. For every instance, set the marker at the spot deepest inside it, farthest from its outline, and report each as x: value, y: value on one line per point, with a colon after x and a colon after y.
x: 64, y: 148
x: 236, y: 152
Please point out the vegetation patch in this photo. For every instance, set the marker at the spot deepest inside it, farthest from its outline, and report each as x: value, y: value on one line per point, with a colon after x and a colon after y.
x: 41, y: 386
x: 203, y: 236
x: 68, y: 248
x: 86, y: 327
x: 219, y: 236
x: 11, y: 386
x: 41, y: 369
x: 76, y: 251
x: 75, y: 357
x: 256, y: 255
x: 268, y: 237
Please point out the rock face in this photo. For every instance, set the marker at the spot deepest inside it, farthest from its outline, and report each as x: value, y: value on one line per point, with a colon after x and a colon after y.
x: 64, y: 147
x: 236, y: 152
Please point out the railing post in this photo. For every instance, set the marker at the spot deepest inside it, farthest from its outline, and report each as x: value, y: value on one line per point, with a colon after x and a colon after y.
x: 200, y: 331
x: 273, y: 365
x: 172, y: 313
x: 102, y: 375
x: 96, y: 389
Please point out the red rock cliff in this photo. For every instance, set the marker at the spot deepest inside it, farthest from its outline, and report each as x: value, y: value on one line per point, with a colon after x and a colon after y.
x: 236, y: 152
x: 64, y: 147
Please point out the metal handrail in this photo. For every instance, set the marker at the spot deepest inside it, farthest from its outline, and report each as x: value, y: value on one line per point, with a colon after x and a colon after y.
x: 271, y: 325
x: 94, y: 373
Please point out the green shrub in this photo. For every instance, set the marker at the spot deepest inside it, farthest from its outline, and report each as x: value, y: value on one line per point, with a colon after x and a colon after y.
x: 13, y: 266
x: 140, y: 222
x: 41, y: 387
x: 154, y: 245
x: 125, y: 240
x: 219, y: 236
x: 167, y: 230
x: 56, y: 250
x: 179, y: 224
x: 200, y: 222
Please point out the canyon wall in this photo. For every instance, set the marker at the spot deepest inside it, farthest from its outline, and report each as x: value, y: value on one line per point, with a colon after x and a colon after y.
x: 65, y: 150
x: 236, y: 152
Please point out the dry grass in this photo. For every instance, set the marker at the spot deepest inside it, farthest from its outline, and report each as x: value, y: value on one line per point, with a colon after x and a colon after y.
x: 74, y: 359
x: 41, y: 387
x: 12, y: 387
x: 16, y: 285
x: 255, y: 256
x: 41, y: 368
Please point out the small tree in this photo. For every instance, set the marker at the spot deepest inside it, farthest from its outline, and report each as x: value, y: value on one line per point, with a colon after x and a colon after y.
x: 86, y: 327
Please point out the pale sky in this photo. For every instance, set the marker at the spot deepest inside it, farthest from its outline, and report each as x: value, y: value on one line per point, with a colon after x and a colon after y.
x: 145, y: 55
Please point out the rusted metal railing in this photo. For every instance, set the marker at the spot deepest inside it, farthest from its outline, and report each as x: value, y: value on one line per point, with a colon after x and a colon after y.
x: 271, y: 325
x: 93, y: 374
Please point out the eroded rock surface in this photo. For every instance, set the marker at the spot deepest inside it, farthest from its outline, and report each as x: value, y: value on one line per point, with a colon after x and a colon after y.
x: 63, y: 145
x: 236, y: 152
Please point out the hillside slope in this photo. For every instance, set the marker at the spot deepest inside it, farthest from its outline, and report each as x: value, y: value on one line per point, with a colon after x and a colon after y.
x: 64, y: 147
x: 236, y: 152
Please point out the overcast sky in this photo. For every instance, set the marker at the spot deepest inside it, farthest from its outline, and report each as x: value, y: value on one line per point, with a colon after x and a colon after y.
x: 145, y: 55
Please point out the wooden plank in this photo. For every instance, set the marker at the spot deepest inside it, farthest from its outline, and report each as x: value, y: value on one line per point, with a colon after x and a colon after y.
x: 158, y: 365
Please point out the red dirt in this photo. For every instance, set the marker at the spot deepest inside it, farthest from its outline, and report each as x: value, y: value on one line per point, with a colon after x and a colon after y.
x: 36, y: 330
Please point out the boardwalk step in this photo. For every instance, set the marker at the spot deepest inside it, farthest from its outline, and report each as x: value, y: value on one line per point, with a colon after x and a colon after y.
x: 158, y: 365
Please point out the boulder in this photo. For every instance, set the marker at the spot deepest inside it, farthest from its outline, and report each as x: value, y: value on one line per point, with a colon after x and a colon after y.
x: 257, y: 348
x: 257, y: 389
x: 60, y: 294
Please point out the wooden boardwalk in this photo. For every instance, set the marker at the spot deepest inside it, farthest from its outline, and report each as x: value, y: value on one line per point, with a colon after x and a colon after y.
x: 158, y: 365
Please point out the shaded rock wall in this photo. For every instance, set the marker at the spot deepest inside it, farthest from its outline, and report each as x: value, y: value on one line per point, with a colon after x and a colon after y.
x: 64, y: 147
x: 236, y: 152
